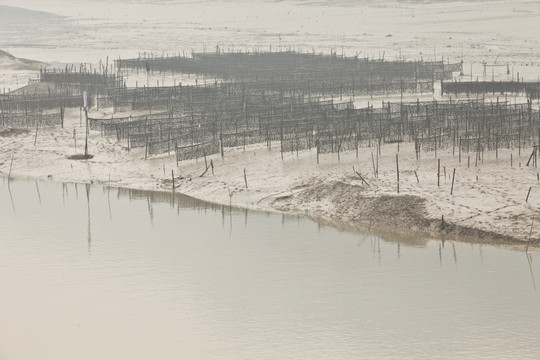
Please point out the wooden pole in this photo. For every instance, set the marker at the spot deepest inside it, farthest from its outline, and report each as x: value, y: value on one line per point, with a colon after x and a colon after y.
x: 318, y: 150
x: 397, y: 167
x: 377, y: 163
x: 460, y: 150
x: 221, y: 143
x: 373, y: 162
x: 453, y: 176
x: 35, y: 137
x: 86, y: 138
x: 438, y: 172
x: 205, y: 163
x: 281, y: 138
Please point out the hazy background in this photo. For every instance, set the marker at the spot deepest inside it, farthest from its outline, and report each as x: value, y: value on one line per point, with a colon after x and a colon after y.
x: 496, y: 32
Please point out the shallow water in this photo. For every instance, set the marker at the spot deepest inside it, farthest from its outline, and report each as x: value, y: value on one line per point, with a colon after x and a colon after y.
x: 88, y: 272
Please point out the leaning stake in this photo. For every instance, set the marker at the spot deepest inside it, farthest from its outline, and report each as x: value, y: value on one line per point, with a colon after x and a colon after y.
x: 453, y: 176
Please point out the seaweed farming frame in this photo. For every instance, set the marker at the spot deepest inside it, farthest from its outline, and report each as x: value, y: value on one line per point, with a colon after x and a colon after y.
x: 286, y: 99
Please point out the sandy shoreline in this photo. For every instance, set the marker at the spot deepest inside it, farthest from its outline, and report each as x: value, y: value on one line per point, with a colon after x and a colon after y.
x: 487, y: 205
x: 489, y: 198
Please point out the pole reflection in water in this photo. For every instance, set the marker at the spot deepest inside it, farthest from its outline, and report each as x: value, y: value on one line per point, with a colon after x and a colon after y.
x: 89, y: 234
x: 150, y: 211
x: 10, y: 194
x: 529, y: 261
x: 109, y: 201
x: 193, y: 283
x: 38, y: 194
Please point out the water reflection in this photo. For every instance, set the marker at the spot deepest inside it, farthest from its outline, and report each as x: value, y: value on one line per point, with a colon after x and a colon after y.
x: 529, y: 261
x: 181, y: 202
x: 89, y: 233
x: 38, y: 194
x: 10, y: 194
x: 109, y: 201
x: 150, y: 212
x: 171, y: 276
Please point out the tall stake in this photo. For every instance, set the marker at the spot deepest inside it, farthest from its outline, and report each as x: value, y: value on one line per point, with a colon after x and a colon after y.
x: 453, y: 176
x: 397, y: 167
x: 377, y: 164
x: 86, y: 138
x: 373, y: 162
x: 35, y: 137
x: 438, y: 172
x: 318, y: 150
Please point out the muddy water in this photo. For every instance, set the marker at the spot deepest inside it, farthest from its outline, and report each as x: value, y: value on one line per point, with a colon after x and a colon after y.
x: 96, y: 273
